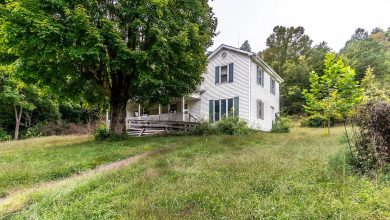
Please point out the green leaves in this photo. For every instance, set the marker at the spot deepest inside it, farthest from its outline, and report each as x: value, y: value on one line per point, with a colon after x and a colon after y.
x: 333, y: 94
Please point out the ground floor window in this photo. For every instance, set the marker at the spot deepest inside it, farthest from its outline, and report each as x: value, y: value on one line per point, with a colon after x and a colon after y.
x: 260, y: 109
x: 221, y: 107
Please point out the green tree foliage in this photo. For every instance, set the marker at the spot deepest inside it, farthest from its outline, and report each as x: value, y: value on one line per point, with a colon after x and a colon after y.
x: 372, y: 90
x: 364, y: 50
x: 290, y: 53
x: 246, y: 46
x: 284, y: 45
x: 16, y: 97
x: 332, y: 95
x: 119, y: 50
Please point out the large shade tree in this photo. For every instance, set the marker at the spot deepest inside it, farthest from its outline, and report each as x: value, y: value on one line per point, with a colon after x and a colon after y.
x: 144, y: 50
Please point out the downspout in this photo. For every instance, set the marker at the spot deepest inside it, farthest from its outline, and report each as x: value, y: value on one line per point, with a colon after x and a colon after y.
x: 250, y: 90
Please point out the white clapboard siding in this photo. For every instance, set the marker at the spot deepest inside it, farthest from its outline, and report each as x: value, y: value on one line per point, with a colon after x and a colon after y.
x: 239, y: 87
x: 263, y: 93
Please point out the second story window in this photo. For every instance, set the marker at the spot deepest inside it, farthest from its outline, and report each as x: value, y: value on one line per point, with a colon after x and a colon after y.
x: 273, y: 86
x: 224, y: 74
x: 260, y: 76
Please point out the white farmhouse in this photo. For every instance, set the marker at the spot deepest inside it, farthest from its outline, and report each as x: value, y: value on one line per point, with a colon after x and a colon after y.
x: 237, y: 83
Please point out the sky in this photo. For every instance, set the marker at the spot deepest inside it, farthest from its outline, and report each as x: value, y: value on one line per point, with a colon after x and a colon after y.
x: 333, y: 21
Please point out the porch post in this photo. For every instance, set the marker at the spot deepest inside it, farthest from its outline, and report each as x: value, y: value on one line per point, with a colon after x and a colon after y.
x: 159, y: 111
x: 139, y: 111
x: 182, y: 108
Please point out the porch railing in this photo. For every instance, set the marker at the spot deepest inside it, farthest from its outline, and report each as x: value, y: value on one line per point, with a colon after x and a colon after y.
x: 160, y: 124
x: 166, y: 117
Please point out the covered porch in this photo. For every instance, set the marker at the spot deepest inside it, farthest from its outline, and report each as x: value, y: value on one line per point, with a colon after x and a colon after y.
x: 180, y: 115
x: 183, y: 109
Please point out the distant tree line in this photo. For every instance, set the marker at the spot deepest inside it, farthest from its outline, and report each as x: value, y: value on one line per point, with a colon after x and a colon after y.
x: 291, y: 53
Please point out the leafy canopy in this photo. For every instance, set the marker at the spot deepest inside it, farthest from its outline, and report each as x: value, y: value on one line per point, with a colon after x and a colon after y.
x: 334, y: 93
x: 148, y: 51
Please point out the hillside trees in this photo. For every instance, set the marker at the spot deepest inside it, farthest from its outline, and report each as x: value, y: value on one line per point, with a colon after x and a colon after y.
x: 289, y: 51
x: 118, y: 50
x: 365, y: 50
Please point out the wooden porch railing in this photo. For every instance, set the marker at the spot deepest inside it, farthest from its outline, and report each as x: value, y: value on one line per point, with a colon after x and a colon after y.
x: 160, y: 124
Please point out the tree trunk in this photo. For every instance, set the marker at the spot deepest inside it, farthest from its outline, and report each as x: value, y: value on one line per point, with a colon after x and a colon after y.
x: 18, y: 117
x: 119, y: 97
x: 328, y: 126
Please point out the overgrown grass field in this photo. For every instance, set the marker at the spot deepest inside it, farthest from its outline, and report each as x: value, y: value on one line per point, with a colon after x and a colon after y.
x: 300, y: 175
x: 28, y: 162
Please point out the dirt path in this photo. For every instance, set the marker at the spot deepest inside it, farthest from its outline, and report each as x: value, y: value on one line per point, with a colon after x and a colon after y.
x: 18, y: 195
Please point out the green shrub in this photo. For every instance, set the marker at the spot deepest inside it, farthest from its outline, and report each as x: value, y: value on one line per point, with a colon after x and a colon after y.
x: 227, y: 126
x: 204, y: 128
x: 4, y: 136
x: 371, y: 138
x: 281, y: 125
x: 232, y: 126
x: 102, y: 133
x: 36, y: 130
x: 313, y: 122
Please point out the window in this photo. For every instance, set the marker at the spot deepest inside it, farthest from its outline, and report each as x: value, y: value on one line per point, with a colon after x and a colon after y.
x: 173, y: 108
x: 230, y: 107
x: 260, y: 110
x: 260, y: 76
x: 223, y: 108
x: 273, y: 86
x: 216, y: 110
x: 220, y: 108
x: 224, y: 74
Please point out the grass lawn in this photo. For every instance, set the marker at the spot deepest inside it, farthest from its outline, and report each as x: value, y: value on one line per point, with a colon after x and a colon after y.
x: 28, y: 162
x: 272, y: 176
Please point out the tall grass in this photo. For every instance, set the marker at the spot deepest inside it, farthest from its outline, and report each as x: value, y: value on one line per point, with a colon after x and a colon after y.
x: 272, y: 176
x: 29, y: 162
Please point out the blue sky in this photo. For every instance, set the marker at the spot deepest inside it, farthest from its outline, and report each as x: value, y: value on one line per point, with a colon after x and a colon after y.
x: 333, y: 21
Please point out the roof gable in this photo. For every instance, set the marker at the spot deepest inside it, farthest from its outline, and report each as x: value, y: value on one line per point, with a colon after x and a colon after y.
x: 252, y: 55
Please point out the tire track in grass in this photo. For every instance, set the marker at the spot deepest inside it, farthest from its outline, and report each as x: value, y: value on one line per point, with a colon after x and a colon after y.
x: 16, y: 200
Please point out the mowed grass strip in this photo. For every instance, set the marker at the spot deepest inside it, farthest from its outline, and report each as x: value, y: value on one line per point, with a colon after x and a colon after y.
x: 271, y: 176
x: 26, y: 163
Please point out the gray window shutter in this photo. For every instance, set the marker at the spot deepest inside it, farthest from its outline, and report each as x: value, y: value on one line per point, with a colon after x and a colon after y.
x: 211, y: 110
x: 216, y: 74
x: 258, y: 75
x: 236, y: 106
x: 231, y: 71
